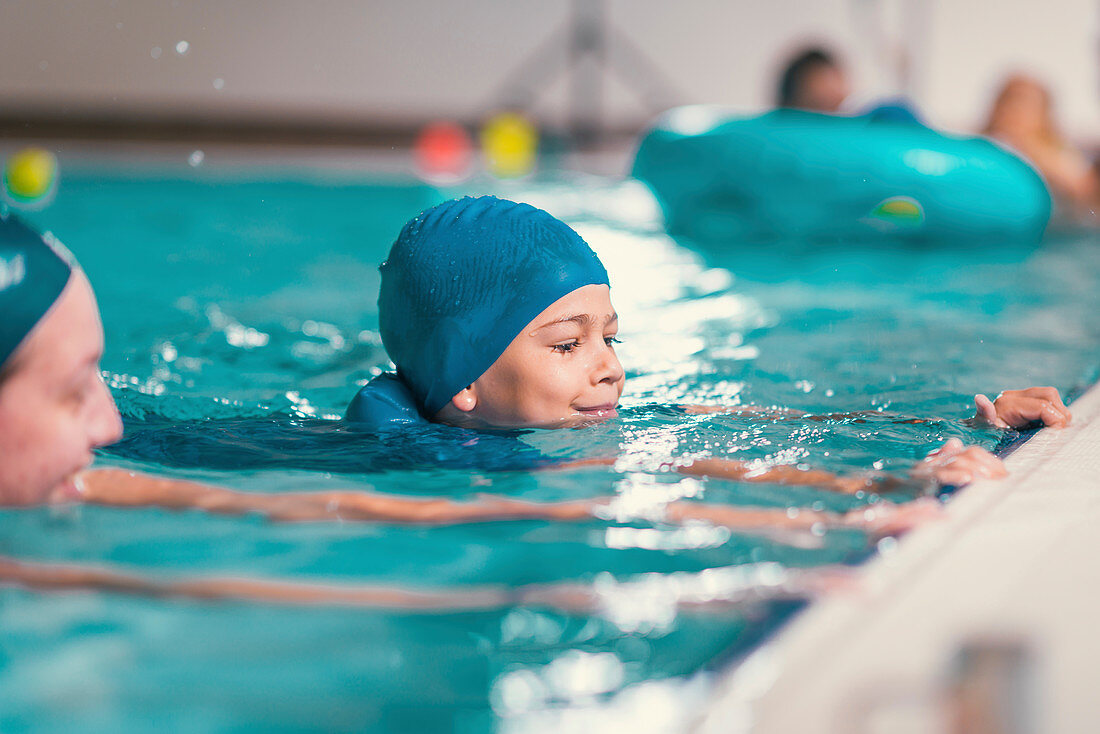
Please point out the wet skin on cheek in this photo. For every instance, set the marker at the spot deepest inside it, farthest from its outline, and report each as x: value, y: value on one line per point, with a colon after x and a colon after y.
x: 559, y: 371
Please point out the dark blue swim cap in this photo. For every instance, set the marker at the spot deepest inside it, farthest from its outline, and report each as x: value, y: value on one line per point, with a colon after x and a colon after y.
x: 463, y: 279
x: 33, y: 272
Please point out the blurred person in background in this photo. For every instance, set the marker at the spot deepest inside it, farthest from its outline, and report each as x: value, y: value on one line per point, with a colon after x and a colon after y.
x: 813, y: 80
x: 1022, y: 117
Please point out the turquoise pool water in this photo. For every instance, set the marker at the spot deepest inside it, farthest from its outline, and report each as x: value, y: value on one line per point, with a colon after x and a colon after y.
x: 250, y: 297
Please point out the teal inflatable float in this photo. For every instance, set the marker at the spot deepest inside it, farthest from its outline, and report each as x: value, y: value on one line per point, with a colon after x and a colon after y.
x: 789, y: 173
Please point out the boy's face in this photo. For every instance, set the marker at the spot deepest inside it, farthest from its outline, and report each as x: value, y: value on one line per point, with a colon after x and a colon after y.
x: 54, y: 407
x: 560, y: 371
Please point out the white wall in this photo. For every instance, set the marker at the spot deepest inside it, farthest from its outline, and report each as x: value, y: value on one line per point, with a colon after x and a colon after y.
x: 398, y: 61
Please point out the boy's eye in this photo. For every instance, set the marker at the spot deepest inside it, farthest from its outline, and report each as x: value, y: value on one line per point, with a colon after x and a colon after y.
x: 566, y: 347
x: 81, y: 393
x: 609, y: 340
x: 77, y: 396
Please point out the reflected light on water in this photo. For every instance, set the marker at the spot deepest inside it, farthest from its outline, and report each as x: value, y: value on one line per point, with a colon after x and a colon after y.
x: 684, y: 538
x: 651, y: 601
x: 653, y: 707
x: 643, y: 496
x: 574, y: 677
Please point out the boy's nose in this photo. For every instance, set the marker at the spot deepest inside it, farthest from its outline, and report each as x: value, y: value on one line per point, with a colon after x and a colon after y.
x: 105, y: 424
x: 609, y: 369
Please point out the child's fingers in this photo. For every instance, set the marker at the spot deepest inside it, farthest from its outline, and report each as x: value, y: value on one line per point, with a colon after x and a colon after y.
x: 1023, y: 410
x: 950, y: 447
x: 1014, y: 401
x: 927, y: 466
x: 966, y: 466
x: 1056, y: 401
x: 1054, y: 416
x: 1046, y: 393
x: 987, y: 411
x: 889, y: 519
x: 934, y: 463
x: 956, y: 475
x: 982, y: 463
x: 1049, y: 394
x: 953, y: 475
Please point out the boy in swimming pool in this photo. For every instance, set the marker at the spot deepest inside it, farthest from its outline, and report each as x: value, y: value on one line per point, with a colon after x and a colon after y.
x: 498, y: 315
x: 55, y: 410
x: 553, y: 369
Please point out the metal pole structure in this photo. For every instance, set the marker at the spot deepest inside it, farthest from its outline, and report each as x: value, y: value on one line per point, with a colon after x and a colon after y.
x: 591, y: 45
x: 587, y: 59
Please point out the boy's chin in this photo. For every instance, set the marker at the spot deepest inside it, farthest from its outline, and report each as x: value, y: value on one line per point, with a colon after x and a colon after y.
x: 67, y: 490
x: 575, y: 419
x: 587, y: 418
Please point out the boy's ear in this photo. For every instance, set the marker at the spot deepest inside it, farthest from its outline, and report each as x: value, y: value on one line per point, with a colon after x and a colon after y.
x: 466, y: 399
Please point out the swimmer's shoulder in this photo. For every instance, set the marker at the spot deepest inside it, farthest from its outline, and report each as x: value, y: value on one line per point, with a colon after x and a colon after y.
x: 384, y: 402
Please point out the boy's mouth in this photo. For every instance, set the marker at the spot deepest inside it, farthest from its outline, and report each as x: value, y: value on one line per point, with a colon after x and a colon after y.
x: 603, y: 410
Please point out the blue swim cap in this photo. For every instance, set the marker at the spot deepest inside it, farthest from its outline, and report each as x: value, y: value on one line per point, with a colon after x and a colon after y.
x: 33, y: 272
x: 463, y: 279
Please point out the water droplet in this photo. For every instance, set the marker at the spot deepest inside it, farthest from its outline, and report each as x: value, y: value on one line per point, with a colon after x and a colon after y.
x: 182, y: 47
x: 196, y: 158
x: 155, y: 52
x: 219, y: 84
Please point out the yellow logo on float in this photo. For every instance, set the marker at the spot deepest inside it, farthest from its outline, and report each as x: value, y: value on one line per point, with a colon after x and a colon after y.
x: 899, y: 211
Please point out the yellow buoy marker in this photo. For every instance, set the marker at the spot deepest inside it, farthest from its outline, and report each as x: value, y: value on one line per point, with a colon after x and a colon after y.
x: 30, y: 174
x: 510, y: 143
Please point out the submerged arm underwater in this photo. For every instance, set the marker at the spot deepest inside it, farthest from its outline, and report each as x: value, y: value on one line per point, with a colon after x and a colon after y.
x: 712, y: 590
x: 121, y: 488
x: 951, y: 464
x: 1011, y: 409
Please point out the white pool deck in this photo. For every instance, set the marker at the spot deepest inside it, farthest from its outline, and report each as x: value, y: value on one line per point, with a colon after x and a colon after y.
x: 1015, y: 565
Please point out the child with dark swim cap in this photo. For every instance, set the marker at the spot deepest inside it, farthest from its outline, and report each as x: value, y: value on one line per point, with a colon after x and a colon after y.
x: 55, y: 410
x: 498, y: 315
x: 54, y: 407
x: 462, y: 290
